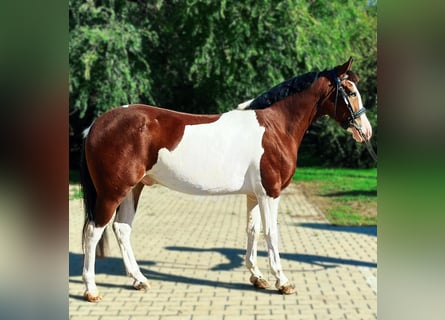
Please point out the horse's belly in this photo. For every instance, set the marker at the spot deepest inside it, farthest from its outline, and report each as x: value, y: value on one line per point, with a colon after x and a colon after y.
x: 215, y: 158
x: 199, y: 178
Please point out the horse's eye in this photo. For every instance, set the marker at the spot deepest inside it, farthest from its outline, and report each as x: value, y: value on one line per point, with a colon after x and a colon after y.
x: 353, y: 94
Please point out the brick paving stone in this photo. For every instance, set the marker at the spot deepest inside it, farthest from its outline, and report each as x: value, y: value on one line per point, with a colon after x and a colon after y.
x: 192, y: 250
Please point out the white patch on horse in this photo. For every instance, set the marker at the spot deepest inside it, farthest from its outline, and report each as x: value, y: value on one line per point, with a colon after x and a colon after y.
x: 214, y: 158
x: 126, y: 106
x: 244, y: 104
x: 362, y: 120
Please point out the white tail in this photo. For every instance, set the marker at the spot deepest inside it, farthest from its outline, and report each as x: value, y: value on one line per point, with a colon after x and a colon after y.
x: 87, y: 131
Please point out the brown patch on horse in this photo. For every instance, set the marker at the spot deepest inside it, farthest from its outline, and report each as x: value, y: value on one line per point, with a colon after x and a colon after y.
x: 123, y: 144
x: 286, y: 126
x: 352, y: 76
x: 281, y: 144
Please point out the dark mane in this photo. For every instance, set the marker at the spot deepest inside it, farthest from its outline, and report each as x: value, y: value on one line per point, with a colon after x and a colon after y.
x: 283, y: 90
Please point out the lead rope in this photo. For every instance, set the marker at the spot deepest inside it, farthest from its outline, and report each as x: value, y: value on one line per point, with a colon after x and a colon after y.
x: 370, y: 149
x: 367, y: 142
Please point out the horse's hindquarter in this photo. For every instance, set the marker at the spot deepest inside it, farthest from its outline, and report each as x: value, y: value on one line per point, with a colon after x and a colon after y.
x: 217, y: 157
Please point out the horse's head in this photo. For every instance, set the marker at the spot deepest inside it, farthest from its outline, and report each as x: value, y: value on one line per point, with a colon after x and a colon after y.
x: 344, y: 103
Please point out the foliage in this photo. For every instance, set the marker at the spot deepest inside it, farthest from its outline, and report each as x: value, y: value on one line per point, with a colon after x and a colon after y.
x: 108, y: 65
x: 75, y: 192
x: 354, y: 28
x: 327, y: 144
x: 206, y: 56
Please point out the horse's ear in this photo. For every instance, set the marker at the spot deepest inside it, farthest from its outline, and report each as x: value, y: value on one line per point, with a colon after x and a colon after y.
x: 343, y: 69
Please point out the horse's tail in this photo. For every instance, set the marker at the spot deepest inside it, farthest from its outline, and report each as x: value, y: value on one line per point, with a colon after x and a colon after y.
x: 89, y: 200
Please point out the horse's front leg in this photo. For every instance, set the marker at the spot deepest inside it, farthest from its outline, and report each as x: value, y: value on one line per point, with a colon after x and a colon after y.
x: 122, y: 229
x: 269, y: 212
x: 253, y: 234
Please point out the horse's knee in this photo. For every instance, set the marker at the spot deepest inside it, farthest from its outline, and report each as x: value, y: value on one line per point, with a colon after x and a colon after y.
x: 122, y: 230
x: 92, y: 233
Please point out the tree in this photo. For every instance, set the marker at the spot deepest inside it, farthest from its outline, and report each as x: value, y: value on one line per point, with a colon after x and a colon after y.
x: 354, y: 28
x: 108, y: 64
x: 207, y: 56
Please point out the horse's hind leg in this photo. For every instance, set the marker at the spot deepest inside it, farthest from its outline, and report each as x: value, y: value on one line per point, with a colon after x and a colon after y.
x: 91, y: 236
x: 253, y: 234
x: 122, y: 228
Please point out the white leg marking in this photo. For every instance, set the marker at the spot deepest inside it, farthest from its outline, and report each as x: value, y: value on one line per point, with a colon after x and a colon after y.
x: 269, y: 209
x: 92, y: 236
x: 253, y: 234
x: 122, y: 230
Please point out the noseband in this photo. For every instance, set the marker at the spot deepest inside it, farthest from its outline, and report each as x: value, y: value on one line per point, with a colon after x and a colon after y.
x: 350, y: 121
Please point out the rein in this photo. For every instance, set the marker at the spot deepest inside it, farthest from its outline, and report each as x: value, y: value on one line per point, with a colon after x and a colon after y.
x: 367, y: 142
x: 350, y: 121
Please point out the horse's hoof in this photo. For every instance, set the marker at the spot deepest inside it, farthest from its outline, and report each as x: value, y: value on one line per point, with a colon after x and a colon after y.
x: 287, y: 288
x: 142, y: 286
x: 259, y: 282
x: 92, y: 297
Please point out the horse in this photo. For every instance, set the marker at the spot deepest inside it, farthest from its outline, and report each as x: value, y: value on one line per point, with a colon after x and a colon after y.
x: 251, y: 152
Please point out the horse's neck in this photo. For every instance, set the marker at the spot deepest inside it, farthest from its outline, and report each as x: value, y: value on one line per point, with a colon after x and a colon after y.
x: 297, y: 113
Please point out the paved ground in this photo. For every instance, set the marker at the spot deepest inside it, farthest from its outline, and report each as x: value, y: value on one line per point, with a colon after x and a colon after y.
x: 192, y: 249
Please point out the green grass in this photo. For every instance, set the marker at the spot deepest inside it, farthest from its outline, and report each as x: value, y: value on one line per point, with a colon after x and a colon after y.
x: 347, y: 197
x: 75, y: 192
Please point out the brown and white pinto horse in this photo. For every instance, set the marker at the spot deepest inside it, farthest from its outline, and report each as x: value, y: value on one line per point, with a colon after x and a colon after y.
x: 251, y: 152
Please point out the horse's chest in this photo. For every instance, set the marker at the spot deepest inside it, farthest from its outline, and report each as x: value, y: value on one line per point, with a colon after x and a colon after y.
x: 218, y: 157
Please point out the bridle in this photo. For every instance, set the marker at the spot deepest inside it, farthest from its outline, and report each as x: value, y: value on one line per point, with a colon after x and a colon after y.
x: 350, y: 121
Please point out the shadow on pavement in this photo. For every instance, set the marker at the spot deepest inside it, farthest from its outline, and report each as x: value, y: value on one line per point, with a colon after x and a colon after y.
x: 352, y: 193
x: 236, y: 258
x: 366, y: 230
x: 115, y: 266
x: 109, y: 265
